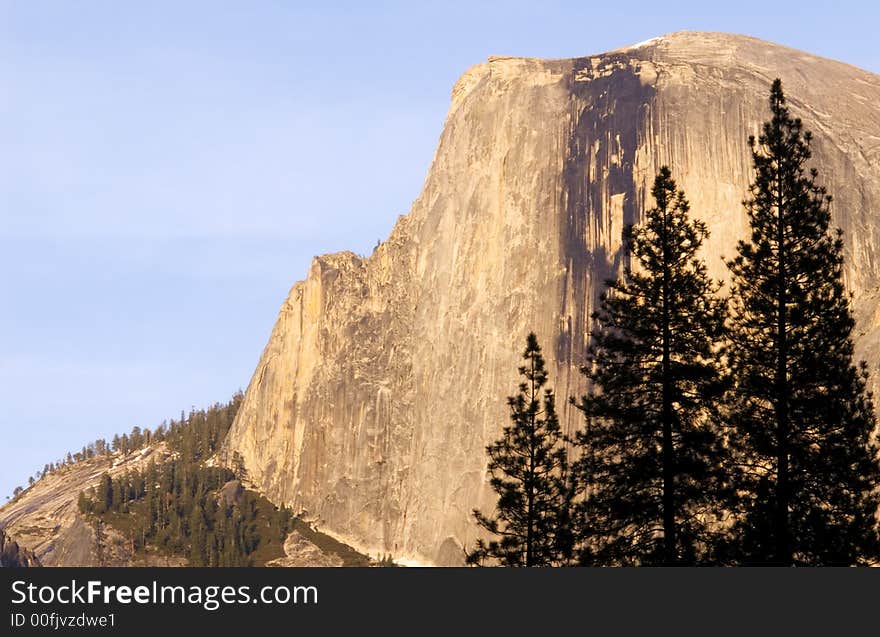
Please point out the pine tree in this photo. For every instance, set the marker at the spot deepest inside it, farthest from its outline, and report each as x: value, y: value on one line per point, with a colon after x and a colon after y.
x: 802, y: 417
x: 105, y: 494
x: 198, y: 555
x: 529, y: 470
x: 84, y: 504
x: 651, y: 449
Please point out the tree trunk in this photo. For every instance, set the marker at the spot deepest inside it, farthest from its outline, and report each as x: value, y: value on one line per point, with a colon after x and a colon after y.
x: 783, y: 548
x: 669, y: 530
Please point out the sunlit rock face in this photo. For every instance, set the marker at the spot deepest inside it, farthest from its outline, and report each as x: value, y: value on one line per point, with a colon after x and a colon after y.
x: 386, y: 376
x: 45, y: 519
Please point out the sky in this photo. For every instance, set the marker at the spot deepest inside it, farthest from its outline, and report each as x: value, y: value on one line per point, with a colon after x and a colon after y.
x: 169, y: 169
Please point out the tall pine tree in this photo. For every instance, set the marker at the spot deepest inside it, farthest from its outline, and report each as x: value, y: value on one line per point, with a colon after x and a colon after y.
x: 802, y: 419
x: 651, y: 453
x: 529, y: 470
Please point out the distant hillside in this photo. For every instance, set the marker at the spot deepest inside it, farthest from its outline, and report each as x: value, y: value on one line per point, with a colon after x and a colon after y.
x: 159, y: 498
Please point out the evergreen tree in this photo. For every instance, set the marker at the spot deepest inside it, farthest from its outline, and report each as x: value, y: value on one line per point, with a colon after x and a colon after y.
x: 238, y: 466
x: 651, y: 452
x: 84, y: 503
x: 802, y: 418
x: 529, y: 470
x: 105, y: 494
x: 198, y: 538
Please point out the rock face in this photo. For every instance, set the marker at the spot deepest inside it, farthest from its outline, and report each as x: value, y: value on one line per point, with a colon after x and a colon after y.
x: 45, y: 518
x: 298, y: 551
x: 13, y: 556
x: 386, y: 376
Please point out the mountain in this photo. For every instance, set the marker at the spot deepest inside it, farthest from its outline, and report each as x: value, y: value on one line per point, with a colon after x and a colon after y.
x: 158, y: 498
x: 385, y: 376
x: 46, y: 520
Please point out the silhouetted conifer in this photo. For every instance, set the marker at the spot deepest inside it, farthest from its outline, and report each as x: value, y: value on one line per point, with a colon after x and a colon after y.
x: 802, y: 418
x: 529, y: 470
x: 650, y: 464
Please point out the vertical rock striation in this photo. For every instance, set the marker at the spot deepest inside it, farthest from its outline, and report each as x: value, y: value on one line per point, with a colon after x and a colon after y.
x: 385, y: 377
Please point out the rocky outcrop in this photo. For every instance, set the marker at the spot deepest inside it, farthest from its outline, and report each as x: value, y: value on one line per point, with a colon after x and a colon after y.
x: 13, y: 556
x: 298, y: 551
x: 385, y: 377
x: 46, y: 519
x: 231, y: 493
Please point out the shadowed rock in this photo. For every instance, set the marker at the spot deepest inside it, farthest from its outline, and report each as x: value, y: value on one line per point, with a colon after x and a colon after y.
x: 13, y: 556
x: 231, y: 493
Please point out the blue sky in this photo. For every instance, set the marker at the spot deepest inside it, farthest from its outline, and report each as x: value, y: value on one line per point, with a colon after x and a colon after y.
x: 168, y: 170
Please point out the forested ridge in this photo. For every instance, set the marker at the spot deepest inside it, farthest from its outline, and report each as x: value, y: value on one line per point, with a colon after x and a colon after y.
x: 190, y: 506
x: 183, y: 506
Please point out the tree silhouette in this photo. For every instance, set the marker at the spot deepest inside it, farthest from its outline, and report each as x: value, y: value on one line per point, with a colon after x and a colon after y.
x: 529, y: 471
x: 651, y: 454
x: 802, y: 418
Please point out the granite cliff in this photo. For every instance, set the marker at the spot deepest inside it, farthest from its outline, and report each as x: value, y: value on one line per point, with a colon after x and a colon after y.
x: 386, y: 376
